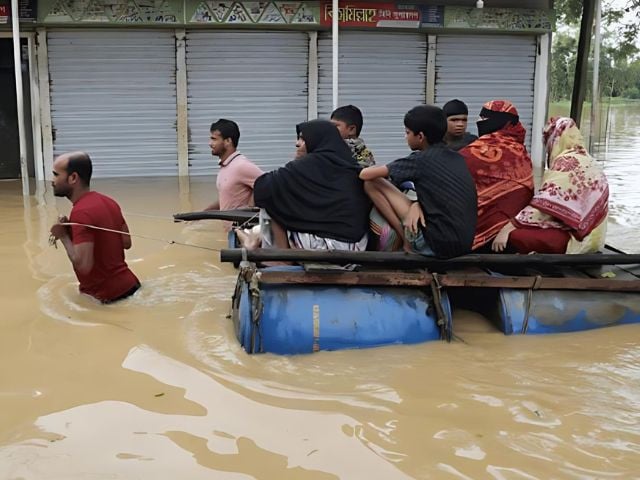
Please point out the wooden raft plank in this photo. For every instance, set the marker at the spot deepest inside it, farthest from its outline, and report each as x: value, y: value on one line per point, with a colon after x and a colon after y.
x: 604, y: 271
x: 541, y: 283
x: 447, y: 280
x: 386, y: 278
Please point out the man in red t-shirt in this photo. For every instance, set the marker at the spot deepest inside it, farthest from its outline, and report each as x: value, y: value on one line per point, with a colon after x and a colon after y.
x: 97, y: 255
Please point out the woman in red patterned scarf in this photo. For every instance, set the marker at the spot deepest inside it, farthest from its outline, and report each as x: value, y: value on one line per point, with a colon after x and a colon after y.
x: 501, y: 168
x: 569, y: 212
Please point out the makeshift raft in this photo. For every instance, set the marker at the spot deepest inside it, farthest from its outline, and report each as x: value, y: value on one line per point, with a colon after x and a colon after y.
x: 400, y: 298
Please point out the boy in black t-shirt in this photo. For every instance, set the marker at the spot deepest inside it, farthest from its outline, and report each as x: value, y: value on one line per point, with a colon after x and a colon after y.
x: 442, y: 222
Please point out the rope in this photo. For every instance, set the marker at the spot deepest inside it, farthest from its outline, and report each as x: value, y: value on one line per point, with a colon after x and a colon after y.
x: 52, y: 240
x: 248, y: 220
x: 527, y: 310
x: 445, y: 328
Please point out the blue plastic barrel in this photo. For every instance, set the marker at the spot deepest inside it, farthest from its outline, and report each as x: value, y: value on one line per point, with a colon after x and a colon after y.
x: 556, y: 311
x: 291, y: 319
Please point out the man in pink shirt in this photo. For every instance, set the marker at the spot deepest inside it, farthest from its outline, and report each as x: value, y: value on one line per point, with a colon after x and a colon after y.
x: 237, y: 173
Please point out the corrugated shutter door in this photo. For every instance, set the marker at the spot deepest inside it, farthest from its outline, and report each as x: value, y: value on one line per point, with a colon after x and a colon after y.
x: 384, y: 75
x: 257, y: 79
x: 113, y: 94
x: 476, y: 69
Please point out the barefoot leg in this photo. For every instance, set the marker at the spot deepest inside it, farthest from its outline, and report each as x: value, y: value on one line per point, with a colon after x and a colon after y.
x: 280, y: 239
x: 392, y: 204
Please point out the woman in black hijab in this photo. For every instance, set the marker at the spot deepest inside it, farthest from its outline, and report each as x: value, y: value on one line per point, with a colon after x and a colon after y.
x: 318, y: 199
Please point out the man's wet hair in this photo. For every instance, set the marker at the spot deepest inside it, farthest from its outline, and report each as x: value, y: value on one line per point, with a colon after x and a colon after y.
x: 428, y: 119
x: 80, y: 163
x: 349, y: 114
x: 227, y: 129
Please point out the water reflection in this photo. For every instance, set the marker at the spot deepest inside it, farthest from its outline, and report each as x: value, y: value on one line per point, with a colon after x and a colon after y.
x: 620, y: 158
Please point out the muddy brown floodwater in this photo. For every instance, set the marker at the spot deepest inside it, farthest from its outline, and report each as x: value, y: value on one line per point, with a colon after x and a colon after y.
x: 157, y: 387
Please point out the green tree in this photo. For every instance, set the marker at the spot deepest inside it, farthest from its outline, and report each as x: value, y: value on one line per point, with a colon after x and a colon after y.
x: 618, y: 67
x: 623, y: 19
x: 563, y: 64
x: 631, y: 80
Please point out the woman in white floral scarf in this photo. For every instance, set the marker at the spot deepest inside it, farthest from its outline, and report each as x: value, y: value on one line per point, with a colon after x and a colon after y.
x: 569, y: 212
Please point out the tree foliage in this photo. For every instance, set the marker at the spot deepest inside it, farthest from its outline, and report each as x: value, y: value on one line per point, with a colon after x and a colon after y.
x: 621, y: 17
x: 563, y: 65
x: 619, y: 62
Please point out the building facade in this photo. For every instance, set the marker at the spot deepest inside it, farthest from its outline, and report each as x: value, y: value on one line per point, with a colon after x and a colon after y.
x: 137, y: 83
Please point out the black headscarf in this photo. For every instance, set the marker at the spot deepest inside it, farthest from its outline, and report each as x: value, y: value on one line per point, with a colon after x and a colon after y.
x: 319, y: 193
x: 495, y: 121
x: 455, y: 107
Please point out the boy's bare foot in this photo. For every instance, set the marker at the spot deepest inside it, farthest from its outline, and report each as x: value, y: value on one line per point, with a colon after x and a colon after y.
x: 248, y: 239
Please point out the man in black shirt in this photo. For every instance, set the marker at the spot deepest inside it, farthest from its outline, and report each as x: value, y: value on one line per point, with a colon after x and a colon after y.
x: 442, y: 222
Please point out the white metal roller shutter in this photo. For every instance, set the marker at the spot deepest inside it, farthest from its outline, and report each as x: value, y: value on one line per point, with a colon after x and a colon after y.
x: 384, y: 75
x: 476, y: 69
x: 113, y: 94
x: 257, y: 79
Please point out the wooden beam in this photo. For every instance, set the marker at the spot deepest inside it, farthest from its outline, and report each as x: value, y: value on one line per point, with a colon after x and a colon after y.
x: 540, y: 283
x: 389, y: 260
x: 423, y: 279
x: 387, y: 278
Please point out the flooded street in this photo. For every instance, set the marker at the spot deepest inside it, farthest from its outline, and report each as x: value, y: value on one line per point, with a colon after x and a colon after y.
x: 620, y: 157
x: 156, y: 386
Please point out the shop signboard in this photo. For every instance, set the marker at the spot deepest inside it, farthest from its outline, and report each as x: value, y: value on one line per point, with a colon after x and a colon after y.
x: 351, y: 14
x: 26, y: 9
x: 371, y: 14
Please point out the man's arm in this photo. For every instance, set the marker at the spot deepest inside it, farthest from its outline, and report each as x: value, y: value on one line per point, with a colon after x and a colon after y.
x: 371, y: 173
x: 126, y: 238
x: 249, y: 176
x: 213, y: 206
x: 81, y: 254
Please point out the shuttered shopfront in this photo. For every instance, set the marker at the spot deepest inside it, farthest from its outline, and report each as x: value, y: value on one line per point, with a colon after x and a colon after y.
x: 113, y: 94
x: 256, y: 78
x: 139, y: 87
x: 113, y: 91
x: 383, y: 74
x: 478, y: 68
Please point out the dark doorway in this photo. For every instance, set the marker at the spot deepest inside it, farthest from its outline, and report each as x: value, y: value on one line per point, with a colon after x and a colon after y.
x: 9, y: 139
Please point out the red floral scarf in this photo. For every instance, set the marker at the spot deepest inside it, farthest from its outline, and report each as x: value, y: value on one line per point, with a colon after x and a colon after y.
x: 500, y: 166
x: 575, y: 193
